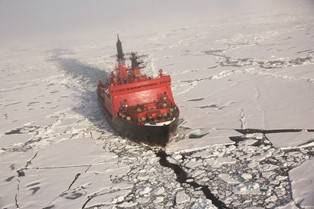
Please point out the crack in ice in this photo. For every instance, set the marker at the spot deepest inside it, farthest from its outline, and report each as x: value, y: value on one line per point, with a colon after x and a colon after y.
x: 182, y: 177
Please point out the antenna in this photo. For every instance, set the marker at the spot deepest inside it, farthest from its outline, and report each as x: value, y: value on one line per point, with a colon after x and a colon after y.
x: 120, y: 54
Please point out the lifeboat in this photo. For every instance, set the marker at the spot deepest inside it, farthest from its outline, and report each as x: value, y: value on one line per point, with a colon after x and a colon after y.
x: 138, y: 106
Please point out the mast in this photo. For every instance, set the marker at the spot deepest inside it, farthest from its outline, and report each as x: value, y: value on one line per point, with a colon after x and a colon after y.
x: 120, y: 54
x: 134, y: 61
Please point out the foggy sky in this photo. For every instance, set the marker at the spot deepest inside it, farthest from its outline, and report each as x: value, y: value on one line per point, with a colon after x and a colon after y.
x: 36, y: 19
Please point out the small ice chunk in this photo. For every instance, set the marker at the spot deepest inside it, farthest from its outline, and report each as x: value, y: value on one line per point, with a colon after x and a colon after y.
x: 253, y: 164
x: 247, y: 188
x: 271, y: 199
x: 159, y: 191
x: 128, y: 204
x: 197, y: 133
x: 182, y: 197
x: 171, y: 160
x: 203, y: 204
x: 158, y: 199
x: 268, y: 174
x: 228, y: 179
x: 177, y: 157
x: 143, y: 177
x: 198, y: 173
x: 118, y: 199
x: 143, y: 200
x: 246, y: 176
x: 201, y: 154
x: 248, y: 142
x: 146, y: 190
x: 194, y: 164
x: 269, y: 167
x: 222, y: 160
x: 257, y: 136
x: 95, y: 134
x: 262, y: 156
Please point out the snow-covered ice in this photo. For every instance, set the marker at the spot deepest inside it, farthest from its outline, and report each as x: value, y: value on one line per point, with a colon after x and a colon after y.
x: 302, y: 184
x: 242, y: 76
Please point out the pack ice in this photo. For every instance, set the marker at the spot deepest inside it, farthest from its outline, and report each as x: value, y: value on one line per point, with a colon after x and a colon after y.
x: 243, y: 77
